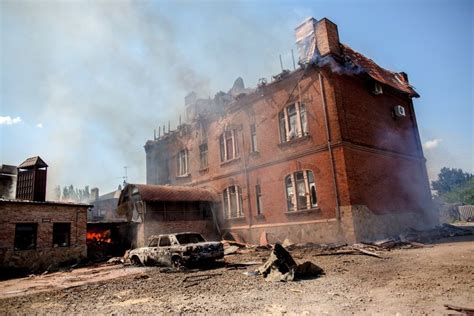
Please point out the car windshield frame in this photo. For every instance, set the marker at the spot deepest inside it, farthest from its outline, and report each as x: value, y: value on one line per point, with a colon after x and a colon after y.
x: 189, y: 238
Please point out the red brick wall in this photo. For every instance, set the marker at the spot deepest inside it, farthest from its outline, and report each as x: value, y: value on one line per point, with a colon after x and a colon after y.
x: 44, y: 214
x: 356, y: 118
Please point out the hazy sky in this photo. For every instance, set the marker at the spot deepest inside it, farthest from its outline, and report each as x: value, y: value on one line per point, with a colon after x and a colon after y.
x: 84, y: 83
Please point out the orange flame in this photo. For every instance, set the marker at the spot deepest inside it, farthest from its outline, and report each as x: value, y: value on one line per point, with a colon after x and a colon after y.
x: 99, y: 236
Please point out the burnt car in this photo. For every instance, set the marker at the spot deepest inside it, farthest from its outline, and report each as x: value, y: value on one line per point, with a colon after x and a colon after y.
x: 177, y: 250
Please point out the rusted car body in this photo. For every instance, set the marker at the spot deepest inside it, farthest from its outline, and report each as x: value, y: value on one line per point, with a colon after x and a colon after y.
x: 177, y: 250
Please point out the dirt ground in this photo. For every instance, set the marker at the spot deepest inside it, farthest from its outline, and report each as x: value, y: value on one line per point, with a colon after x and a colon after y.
x: 406, y: 281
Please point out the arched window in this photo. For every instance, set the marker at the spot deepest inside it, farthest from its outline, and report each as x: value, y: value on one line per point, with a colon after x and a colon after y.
x: 300, y: 191
x: 228, y: 145
x: 293, y: 122
x: 232, y: 202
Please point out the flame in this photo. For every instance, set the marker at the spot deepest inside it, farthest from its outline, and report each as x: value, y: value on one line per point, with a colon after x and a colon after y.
x: 103, y: 236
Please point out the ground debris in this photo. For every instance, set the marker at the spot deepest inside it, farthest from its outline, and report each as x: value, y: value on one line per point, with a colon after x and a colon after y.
x: 465, y: 310
x: 281, y: 266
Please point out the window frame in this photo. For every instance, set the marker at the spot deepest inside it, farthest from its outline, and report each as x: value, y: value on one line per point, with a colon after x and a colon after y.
x: 202, y: 154
x: 293, y: 125
x: 293, y: 192
x: 228, y: 136
x: 17, y: 236
x: 182, y: 169
x: 253, y: 138
x: 258, y: 199
x: 57, y: 224
x: 227, y: 202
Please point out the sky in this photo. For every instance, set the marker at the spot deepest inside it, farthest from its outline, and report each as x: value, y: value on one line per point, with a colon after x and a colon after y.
x: 84, y: 83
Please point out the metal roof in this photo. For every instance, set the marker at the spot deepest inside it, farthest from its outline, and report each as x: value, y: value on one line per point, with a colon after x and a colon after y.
x: 33, y: 162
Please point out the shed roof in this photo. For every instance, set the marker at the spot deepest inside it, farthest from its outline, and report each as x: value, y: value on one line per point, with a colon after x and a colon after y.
x: 150, y: 192
x: 33, y: 162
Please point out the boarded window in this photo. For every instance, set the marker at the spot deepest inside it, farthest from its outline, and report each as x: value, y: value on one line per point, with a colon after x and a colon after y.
x: 25, y: 236
x: 61, y: 234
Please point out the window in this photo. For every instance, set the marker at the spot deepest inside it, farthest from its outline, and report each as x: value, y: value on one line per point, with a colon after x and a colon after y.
x: 25, y: 236
x: 293, y: 122
x: 258, y: 194
x: 183, y: 163
x: 203, y: 155
x: 253, y: 135
x: 228, y: 145
x: 153, y: 243
x: 232, y: 200
x: 165, y: 241
x: 300, y: 191
x: 61, y: 234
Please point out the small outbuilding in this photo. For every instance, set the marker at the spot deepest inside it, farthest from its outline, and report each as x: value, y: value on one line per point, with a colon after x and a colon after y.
x: 163, y: 209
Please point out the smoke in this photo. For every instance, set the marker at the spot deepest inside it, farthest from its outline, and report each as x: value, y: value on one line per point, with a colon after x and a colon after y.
x: 431, y: 144
x: 7, y: 120
x: 108, y: 73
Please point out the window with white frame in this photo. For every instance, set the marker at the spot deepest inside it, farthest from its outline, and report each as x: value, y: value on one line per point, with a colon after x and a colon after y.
x: 300, y: 191
x: 253, y: 138
x: 228, y: 145
x: 293, y: 122
x: 203, y: 155
x: 232, y: 202
x: 183, y: 162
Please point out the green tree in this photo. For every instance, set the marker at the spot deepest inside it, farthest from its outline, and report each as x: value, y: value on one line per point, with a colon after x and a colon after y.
x: 450, y: 179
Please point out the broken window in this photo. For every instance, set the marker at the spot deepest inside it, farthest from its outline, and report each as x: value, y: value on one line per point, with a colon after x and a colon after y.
x: 258, y: 194
x: 228, y: 145
x: 183, y: 162
x: 165, y: 241
x: 25, y: 236
x: 61, y: 234
x: 253, y: 135
x: 232, y: 202
x: 293, y: 122
x: 203, y: 155
x: 301, y: 191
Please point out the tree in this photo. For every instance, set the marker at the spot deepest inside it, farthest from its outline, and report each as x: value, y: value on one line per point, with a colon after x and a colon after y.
x: 450, y: 179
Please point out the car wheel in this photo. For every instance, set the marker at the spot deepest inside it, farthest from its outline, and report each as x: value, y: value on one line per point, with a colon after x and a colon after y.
x: 177, y: 262
x: 136, y: 261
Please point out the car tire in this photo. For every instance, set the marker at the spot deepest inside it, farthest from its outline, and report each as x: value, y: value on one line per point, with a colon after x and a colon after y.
x: 136, y: 261
x: 178, y: 262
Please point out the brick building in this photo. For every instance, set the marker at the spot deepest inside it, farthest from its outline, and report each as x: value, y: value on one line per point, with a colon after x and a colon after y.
x: 168, y: 209
x: 327, y: 152
x: 36, y: 234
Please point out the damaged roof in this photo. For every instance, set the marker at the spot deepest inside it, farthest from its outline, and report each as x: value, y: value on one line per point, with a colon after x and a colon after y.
x: 392, y: 79
x: 33, y: 162
x: 150, y: 192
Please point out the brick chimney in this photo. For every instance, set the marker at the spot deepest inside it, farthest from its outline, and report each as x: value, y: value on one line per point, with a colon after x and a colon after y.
x: 327, y: 38
x: 317, y: 38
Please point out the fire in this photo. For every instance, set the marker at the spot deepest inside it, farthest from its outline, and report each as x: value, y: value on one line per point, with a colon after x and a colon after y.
x: 103, y: 236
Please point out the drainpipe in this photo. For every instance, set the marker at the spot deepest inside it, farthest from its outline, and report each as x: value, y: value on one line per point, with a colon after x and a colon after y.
x: 247, y: 183
x: 328, y: 135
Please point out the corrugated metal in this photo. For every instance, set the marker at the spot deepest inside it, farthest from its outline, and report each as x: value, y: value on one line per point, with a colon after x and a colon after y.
x: 466, y: 212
